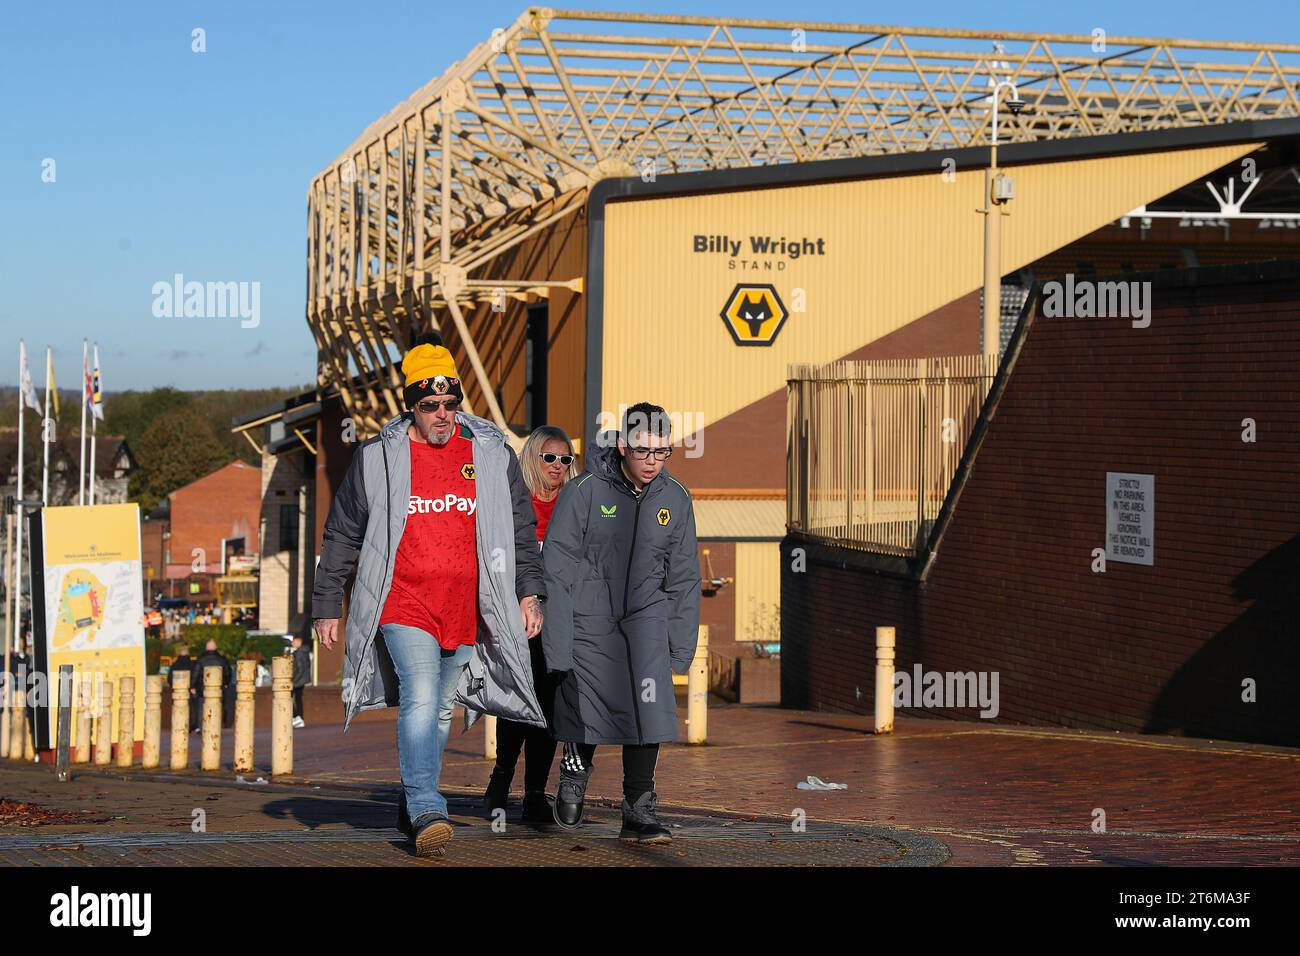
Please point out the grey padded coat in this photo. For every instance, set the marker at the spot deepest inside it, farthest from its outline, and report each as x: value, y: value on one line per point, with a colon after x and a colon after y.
x: 363, y: 530
x: 623, y: 607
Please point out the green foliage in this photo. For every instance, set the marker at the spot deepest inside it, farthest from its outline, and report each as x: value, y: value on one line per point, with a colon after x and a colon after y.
x: 178, y: 447
x: 233, y: 642
x: 190, y: 437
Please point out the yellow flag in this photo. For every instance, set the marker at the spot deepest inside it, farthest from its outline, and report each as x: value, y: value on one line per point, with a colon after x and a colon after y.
x: 50, y: 383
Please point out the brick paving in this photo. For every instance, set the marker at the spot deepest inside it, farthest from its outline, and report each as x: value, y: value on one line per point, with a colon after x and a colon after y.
x: 967, y: 793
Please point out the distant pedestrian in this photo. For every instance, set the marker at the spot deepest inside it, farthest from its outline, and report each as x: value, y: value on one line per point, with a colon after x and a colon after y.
x: 183, y: 662
x: 301, y: 676
x: 212, y: 658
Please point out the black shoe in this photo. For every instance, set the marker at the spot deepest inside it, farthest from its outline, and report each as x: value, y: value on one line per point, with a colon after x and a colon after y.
x: 431, y: 837
x: 537, y: 809
x: 403, y: 818
x: 640, y: 825
x: 497, y: 794
x: 569, y: 797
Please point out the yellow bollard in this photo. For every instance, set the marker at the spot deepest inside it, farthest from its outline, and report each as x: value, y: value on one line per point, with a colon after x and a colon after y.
x: 180, y: 720
x: 81, y: 753
x: 697, y: 691
x: 884, y: 680
x: 103, y: 723
x: 4, y: 714
x: 245, y: 682
x: 126, y: 721
x: 152, y: 721
x: 489, y: 737
x: 281, y: 715
x: 17, y: 716
x: 210, y: 753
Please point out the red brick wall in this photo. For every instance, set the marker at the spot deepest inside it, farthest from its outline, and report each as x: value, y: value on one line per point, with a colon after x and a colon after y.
x: 1157, y: 649
x: 224, y: 504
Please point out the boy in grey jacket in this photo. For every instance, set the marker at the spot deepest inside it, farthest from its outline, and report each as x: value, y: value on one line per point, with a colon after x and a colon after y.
x: 623, y: 615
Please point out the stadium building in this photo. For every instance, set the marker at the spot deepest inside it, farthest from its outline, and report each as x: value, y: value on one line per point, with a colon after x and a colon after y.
x: 782, y: 232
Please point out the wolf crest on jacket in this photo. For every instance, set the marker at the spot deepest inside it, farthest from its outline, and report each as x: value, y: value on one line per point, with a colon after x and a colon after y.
x: 364, y: 528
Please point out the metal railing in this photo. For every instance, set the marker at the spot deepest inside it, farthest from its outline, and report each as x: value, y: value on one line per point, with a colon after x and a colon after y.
x: 872, y: 447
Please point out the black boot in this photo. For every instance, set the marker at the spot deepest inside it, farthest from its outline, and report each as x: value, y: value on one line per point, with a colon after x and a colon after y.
x: 537, y: 809
x: 403, y: 818
x: 569, y: 797
x: 497, y: 794
x: 640, y: 825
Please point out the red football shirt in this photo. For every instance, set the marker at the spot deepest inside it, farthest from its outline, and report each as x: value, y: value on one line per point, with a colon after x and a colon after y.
x: 544, y: 511
x: 435, y: 577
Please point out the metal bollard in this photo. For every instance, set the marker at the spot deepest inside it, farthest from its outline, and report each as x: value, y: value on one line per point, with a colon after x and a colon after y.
x: 81, y: 753
x: 884, y: 680
x: 29, y: 742
x: 103, y: 722
x: 697, y: 691
x: 281, y: 715
x: 180, y: 719
x: 126, y: 721
x: 489, y: 737
x: 245, y: 682
x: 210, y: 746
x: 152, y: 721
x: 63, y: 746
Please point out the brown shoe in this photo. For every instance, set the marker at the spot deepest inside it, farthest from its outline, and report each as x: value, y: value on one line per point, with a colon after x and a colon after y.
x: 432, y: 838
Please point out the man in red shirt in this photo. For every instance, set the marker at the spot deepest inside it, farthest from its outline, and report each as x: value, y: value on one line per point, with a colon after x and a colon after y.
x: 429, y: 616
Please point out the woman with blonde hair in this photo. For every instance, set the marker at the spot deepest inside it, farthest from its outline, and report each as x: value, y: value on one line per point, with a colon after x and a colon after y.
x: 547, y: 461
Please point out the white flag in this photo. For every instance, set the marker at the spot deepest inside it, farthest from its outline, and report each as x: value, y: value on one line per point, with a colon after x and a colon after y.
x: 96, y: 391
x: 25, y: 384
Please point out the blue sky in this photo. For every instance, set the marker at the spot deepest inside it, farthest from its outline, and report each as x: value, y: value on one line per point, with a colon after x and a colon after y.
x: 169, y: 161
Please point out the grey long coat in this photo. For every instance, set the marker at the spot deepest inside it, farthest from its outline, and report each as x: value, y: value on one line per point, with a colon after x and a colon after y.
x: 623, y: 607
x: 363, y: 530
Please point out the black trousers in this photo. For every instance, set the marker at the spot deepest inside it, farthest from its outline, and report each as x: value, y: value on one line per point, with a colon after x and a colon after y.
x: 639, y: 761
x: 297, y: 701
x: 537, y: 744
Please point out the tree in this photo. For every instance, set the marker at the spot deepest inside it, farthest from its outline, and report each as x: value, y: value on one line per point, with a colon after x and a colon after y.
x: 177, y: 448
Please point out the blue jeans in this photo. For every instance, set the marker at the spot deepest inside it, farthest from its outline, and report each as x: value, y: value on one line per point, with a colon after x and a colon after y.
x: 428, y: 675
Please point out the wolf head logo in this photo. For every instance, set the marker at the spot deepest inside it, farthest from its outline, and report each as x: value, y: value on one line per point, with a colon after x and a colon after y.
x: 755, y: 311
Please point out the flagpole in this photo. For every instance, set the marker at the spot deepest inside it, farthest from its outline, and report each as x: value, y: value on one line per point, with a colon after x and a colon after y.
x: 18, y: 498
x: 81, y: 478
x: 92, y: 459
x: 45, y: 434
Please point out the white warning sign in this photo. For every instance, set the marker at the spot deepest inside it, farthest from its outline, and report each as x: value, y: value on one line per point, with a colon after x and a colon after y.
x: 1130, y: 518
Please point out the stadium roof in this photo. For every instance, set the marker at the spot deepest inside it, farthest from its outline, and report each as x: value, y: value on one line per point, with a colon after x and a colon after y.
x: 509, y: 139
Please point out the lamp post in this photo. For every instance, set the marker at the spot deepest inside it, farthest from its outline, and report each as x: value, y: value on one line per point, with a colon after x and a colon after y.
x: 998, y: 190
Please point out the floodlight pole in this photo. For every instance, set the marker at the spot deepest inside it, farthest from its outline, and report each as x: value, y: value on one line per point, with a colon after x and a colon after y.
x: 993, y: 214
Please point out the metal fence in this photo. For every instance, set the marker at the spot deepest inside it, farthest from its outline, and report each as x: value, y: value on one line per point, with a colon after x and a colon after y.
x: 872, y: 447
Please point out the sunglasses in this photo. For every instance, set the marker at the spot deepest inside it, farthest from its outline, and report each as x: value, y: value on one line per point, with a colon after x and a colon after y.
x: 641, y: 454
x: 550, y: 458
x: 428, y: 406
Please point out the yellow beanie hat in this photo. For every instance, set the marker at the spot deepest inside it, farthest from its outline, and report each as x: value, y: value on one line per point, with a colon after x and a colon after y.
x: 429, y: 370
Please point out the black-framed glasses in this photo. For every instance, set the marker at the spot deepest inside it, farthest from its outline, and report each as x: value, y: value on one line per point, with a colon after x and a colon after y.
x: 550, y: 458
x: 430, y: 405
x: 641, y: 454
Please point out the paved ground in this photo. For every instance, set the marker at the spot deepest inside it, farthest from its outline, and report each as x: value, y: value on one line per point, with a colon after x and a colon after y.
x: 934, y: 792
